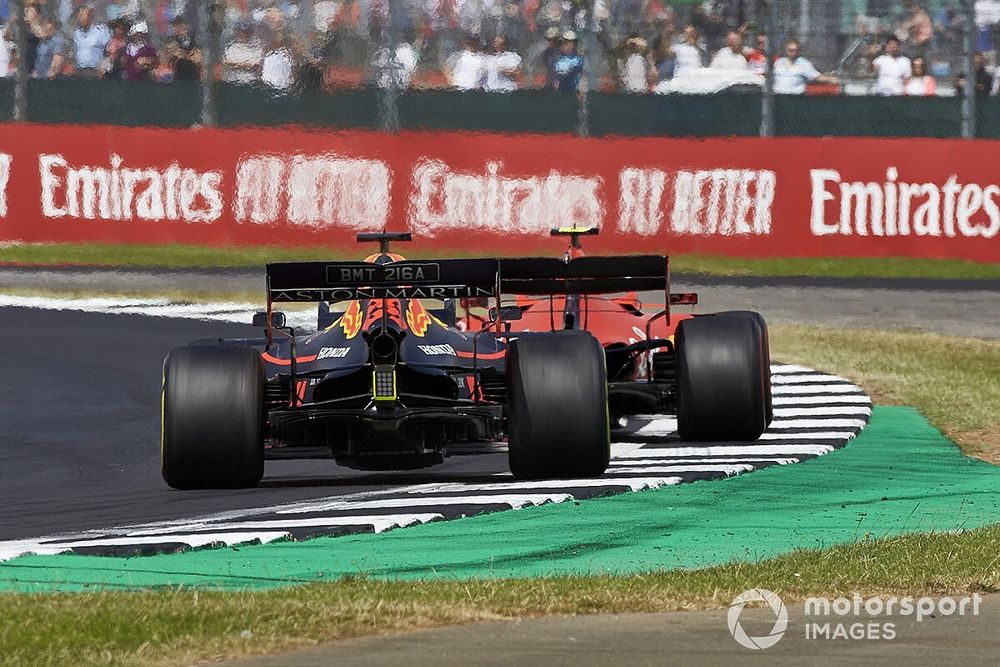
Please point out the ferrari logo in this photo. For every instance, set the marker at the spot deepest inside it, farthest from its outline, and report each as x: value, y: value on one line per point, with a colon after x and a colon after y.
x: 417, y: 317
x: 351, y: 320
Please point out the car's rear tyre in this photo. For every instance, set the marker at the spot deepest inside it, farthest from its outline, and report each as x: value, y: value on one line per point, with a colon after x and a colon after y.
x: 213, y: 418
x: 557, y: 418
x: 765, y: 352
x: 720, y: 379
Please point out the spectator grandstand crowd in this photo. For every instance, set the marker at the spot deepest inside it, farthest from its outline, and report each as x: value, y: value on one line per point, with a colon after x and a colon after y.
x: 634, y: 46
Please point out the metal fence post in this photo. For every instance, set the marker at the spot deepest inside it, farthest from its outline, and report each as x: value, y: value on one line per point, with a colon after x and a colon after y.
x: 308, y: 16
x: 20, y: 110
x: 210, y: 41
x: 969, y: 89
x: 589, y: 80
x: 767, y: 95
x: 386, y: 72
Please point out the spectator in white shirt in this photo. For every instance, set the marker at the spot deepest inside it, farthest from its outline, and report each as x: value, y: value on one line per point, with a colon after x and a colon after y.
x: 730, y: 57
x: 501, y: 67
x: 243, y: 58
x: 793, y: 72
x: 278, y: 66
x: 689, y: 56
x: 401, y: 69
x: 89, y: 41
x: 6, y: 52
x: 892, y: 70
x: 467, y: 70
x: 635, y: 69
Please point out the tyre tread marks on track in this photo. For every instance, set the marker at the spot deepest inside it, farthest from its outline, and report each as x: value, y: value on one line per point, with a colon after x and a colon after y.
x: 815, y: 413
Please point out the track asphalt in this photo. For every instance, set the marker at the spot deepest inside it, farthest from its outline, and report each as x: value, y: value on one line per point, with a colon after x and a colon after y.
x: 79, y: 425
x: 87, y: 478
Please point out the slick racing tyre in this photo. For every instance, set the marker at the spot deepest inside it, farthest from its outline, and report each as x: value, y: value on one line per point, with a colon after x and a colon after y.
x: 720, y: 379
x: 765, y: 351
x: 213, y: 418
x: 557, y: 418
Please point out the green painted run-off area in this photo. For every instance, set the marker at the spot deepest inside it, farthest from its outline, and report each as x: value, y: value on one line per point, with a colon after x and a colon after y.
x: 899, y: 476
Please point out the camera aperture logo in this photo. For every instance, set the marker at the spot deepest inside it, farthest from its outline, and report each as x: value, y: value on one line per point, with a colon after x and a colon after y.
x: 854, y: 618
x: 780, y: 618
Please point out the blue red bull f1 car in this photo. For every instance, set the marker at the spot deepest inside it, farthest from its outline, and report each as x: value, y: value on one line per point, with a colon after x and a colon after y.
x: 416, y: 360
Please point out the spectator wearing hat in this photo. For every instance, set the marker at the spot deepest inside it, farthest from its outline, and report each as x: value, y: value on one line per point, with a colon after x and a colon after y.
x: 243, y: 57
x: 467, y: 67
x: 185, y: 56
x: 569, y: 64
x: 689, y: 54
x: 51, y: 52
x: 180, y: 32
x: 181, y: 64
x: 502, y: 66
x: 550, y: 55
x: 635, y: 67
x: 114, y: 50
x: 89, y: 43
x: 140, y: 57
x: 731, y: 57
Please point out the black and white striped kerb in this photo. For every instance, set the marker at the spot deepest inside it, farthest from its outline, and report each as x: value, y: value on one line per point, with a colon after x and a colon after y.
x: 814, y: 413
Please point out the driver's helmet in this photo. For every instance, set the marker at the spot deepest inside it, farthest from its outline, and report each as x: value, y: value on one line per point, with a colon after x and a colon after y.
x: 384, y: 258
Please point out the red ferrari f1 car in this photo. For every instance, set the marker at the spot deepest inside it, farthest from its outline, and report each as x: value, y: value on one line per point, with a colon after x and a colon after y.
x: 402, y: 373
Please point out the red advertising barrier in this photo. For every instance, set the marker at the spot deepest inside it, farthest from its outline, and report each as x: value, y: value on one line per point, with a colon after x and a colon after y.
x: 500, y: 193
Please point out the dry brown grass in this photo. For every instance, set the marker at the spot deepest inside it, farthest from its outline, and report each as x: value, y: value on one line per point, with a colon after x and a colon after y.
x: 954, y: 381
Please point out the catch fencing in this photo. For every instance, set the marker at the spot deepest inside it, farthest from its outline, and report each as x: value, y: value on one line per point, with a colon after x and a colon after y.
x: 394, y: 65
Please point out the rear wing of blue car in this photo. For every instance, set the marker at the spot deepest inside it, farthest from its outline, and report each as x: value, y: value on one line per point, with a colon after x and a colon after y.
x: 345, y: 281
x: 463, y: 278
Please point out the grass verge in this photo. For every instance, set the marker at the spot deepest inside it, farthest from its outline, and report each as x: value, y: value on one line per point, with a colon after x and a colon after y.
x: 954, y: 381
x: 192, y: 256
x: 188, y: 626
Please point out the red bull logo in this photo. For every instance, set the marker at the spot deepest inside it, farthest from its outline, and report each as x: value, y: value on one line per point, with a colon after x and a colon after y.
x: 352, y: 319
x: 417, y: 317
x: 390, y: 309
